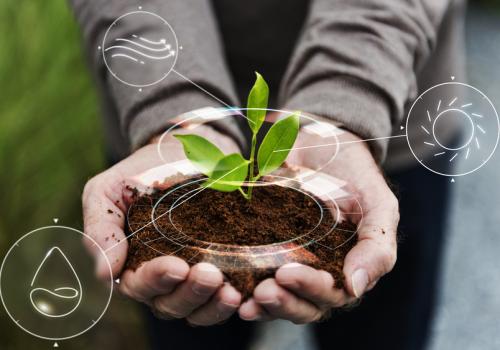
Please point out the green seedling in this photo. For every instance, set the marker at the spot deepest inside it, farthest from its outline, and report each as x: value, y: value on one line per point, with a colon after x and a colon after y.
x: 227, y: 173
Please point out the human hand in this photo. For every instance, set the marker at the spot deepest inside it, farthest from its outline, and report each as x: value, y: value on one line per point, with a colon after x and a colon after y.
x: 302, y: 294
x: 167, y: 284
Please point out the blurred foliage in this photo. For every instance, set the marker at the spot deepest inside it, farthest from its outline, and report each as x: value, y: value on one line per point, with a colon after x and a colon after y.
x: 50, y: 143
x: 49, y: 117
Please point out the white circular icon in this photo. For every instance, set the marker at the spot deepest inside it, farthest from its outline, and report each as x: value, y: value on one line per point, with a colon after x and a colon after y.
x: 48, y: 285
x: 440, y: 114
x: 137, y: 55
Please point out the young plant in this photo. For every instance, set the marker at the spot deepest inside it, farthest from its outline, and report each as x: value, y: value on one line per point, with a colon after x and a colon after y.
x: 228, y: 173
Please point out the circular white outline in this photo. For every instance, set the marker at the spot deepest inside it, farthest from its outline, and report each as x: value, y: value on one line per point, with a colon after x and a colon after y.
x: 239, y: 109
x: 484, y: 96
x: 110, y: 290
x: 116, y: 75
x: 321, y: 209
x: 470, y: 121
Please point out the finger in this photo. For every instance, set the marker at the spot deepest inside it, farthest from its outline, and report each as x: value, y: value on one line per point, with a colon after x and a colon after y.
x: 156, y: 277
x: 202, y: 282
x: 224, y: 303
x: 367, y: 262
x: 313, y: 285
x: 280, y: 303
x: 375, y: 253
x: 251, y: 311
x: 104, y: 218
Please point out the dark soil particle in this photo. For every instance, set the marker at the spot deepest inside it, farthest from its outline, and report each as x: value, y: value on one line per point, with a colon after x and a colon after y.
x: 275, y: 214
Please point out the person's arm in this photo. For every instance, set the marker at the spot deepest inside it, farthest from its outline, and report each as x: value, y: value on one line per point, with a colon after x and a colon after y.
x: 167, y: 284
x: 357, y: 62
x: 144, y: 114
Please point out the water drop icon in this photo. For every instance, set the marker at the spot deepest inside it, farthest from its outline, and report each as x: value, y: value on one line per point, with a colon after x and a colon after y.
x: 51, y: 298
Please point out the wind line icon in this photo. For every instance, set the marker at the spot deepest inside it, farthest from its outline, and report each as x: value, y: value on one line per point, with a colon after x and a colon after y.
x: 40, y: 297
x: 138, y: 49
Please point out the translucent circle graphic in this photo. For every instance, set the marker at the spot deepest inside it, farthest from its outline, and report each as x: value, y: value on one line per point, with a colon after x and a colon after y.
x: 442, y: 112
x: 136, y: 56
x: 314, y: 132
x: 332, y: 196
x: 48, y: 285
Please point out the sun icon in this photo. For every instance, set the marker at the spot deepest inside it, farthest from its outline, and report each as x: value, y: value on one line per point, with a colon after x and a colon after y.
x: 452, y: 129
x: 453, y: 113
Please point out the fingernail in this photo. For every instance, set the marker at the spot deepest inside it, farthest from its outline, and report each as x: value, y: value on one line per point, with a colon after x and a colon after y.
x: 204, y: 283
x: 359, y: 282
x: 255, y: 318
x: 225, y: 307
x: 208, y: 269
x: 291, y: 265
x: 272, y: 302
x: 169, y: 276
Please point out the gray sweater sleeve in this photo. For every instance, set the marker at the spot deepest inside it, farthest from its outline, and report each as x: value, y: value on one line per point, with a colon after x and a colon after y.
x: 144, y: 113
x: 357, y: 62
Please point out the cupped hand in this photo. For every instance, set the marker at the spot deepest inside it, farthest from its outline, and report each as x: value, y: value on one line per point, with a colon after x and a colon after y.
x: 167, y: 284
x: 302, y: 294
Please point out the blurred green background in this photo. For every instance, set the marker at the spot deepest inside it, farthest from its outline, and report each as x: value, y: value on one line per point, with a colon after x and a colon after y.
x: 50, y: 143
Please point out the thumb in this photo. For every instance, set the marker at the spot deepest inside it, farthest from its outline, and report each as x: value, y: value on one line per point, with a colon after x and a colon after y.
x: 365, y: 264
x: 375, y: 253
x: 104, y: 219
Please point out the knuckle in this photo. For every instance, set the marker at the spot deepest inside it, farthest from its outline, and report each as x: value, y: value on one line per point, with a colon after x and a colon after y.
x: 189, y: 303
x: 316, y: 293
x: 130, y: 290
x: 125, y: 289
x: 310, y: 317
x: 288, y: 307
x: 152, y: 272
x: 90, y: 186
x: 334, y: 303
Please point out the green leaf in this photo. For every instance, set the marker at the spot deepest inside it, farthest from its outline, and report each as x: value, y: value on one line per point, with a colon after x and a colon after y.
x: 277, y: 143
x: 257, y: 99
x: 229, y: 173
x: 202, y: 153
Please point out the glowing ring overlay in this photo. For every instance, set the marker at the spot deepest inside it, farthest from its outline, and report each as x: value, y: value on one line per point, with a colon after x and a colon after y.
x: 237, y: 111
x: 493, y: 109
x: 110, y: 284
x: 147, y: 13
x: 231, y: 253
x: 198, y: 242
